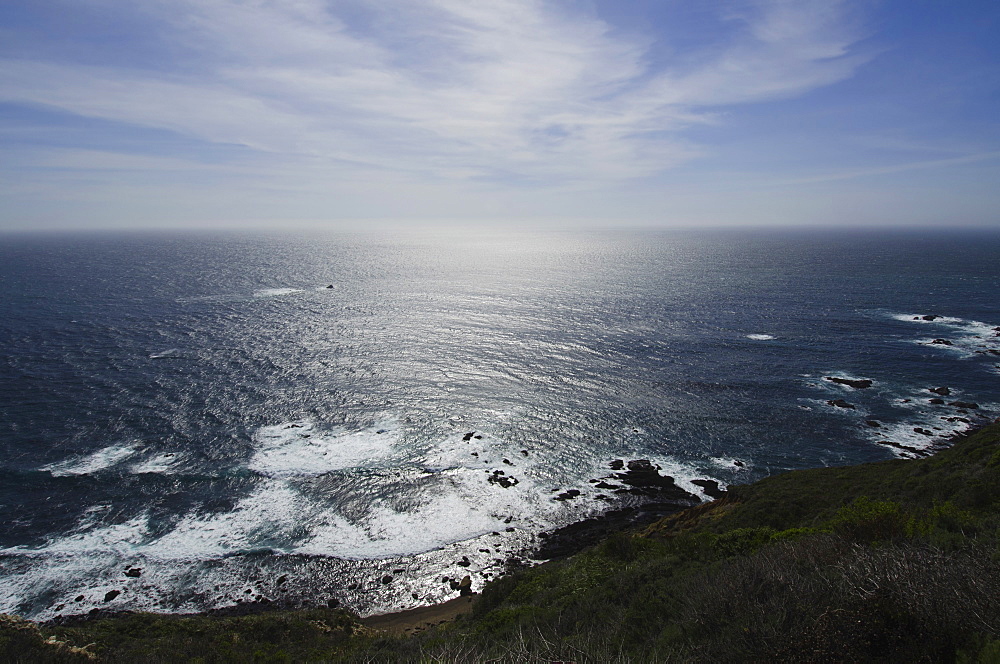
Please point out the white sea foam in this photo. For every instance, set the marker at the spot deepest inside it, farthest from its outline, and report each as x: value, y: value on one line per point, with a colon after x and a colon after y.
x: 441, y: 520
x: 904, y: 433
x: 683, y: 473
x: 728, y: 463
x: 162, y: 464
x: 831, y: 408
x: 299, y: 448
x: 92, y: 463
x: 276, y: 292
x: 760, y: 337
x: 453, y: 504
x: 168, y: 354
x: 119, y: 539
x: 270, y: 517
x: 919, y: 318
x: 965, y: 337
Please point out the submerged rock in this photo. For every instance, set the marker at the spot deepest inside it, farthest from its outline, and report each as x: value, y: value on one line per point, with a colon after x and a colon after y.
x: 840, y: 403
x: 943, y: 391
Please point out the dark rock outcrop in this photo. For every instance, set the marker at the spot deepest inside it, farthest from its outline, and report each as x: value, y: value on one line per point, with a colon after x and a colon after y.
x: 840, y: 403
x: 503, y: 479
x: 711, y: 487
x: 858, y: 384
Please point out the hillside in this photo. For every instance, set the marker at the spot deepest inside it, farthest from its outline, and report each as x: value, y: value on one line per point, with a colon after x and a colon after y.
x: 889, y: 561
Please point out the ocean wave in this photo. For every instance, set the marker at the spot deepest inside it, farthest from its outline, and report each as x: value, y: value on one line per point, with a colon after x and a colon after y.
x: 276, y: 292
x: 301, y: 449
x: 92, y: 463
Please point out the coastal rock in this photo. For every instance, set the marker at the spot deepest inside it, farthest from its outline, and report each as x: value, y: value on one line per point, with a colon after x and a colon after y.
x: 502, y: 479
x: 937, y: 401
x: 875, y: 424
x: 643, y: 478
x: 858, y: 384
x: 930, y: 317
x: 968, y: 405
x: 899, y: 446
x: 111, y: 594
x: 942, y: 342
x: 943, y: 391
x: 568, y: 495
x: 617, y: 464
x: 467, y: 437
x: 465, y: 586
x: 840, y: 403
x: 133, y: 572
x: 711, y: 487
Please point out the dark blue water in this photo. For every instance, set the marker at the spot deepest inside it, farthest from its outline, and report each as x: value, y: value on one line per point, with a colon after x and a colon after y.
x: 220, y: 412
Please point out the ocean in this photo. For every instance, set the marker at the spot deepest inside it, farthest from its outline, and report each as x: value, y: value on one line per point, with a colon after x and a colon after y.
x: 200, y: 421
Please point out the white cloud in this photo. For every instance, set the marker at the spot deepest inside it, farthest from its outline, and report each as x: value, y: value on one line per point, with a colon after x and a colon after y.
x: 500, y: 90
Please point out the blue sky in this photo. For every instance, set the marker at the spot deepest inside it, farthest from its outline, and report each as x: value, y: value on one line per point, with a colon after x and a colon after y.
x: 233, y: 113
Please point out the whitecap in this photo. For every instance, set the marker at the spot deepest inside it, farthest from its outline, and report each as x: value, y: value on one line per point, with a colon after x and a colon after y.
x: 92, y: 463
x: 276, y: 292
x: 170, y: 353
x: 161, y: 464
x: 300, y: 449
x: 760, y: 337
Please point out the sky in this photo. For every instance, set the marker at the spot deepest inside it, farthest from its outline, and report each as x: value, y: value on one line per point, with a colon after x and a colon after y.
x: 356, y: 113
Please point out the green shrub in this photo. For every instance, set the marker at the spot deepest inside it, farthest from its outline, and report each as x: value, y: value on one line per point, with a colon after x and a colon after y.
x: 867, y: 520
x: 742, y: 541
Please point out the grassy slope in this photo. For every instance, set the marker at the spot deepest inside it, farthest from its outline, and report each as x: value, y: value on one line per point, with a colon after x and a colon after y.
x: 890, y: 561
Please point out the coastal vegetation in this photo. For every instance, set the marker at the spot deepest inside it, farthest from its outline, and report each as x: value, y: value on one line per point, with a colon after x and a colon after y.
x: 891, y: 561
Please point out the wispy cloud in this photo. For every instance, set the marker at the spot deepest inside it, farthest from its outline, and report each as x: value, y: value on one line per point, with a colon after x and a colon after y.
x: 896, y: 168
x: 500, y: 90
